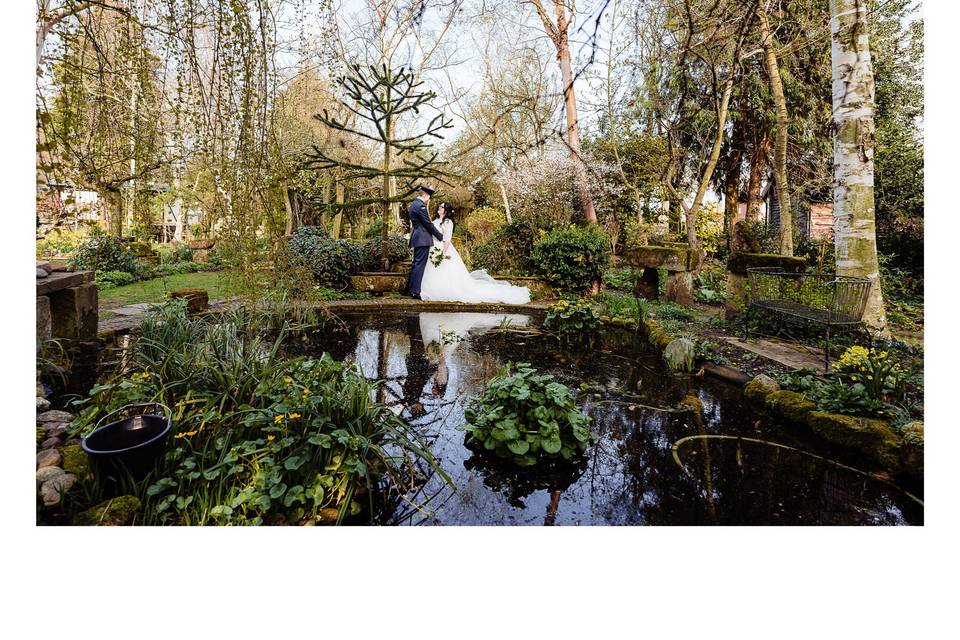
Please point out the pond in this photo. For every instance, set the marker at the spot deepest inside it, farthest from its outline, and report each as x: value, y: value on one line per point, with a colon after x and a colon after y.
x: 654, y: 464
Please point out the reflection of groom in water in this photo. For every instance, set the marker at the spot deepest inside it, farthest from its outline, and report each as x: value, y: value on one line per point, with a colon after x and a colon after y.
x: 420, y: 231
x: 419, y: 368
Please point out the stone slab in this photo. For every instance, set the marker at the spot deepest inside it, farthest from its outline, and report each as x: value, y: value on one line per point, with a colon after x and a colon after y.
x: 75, y: 313
x: 788, y: 355
x: 44, y: 319
x: 657, y: 257
x: 60, y: 280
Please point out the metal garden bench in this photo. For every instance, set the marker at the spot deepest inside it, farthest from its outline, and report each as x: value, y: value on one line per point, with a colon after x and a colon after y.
x: 825, y: 299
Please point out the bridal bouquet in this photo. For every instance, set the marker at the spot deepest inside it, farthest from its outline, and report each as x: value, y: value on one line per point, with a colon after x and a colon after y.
x: 437, y: 257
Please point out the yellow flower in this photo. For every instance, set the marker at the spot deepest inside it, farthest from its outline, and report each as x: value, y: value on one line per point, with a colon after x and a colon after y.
x: 294, y: 416
x: 278, y: 419
x: 270, y: 437
x: 288, y: 379
x: 306, y: 392
x: 185, y: 434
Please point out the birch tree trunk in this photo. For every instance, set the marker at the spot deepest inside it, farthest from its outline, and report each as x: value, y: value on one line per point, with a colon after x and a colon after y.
x: 855, y: 237
x: 780, y: 133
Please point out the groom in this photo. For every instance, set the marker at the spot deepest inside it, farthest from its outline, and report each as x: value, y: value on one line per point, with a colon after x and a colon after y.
x: 420, y: 240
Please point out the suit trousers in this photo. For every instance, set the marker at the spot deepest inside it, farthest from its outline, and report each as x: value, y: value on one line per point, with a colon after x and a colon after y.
x: 420, y: 255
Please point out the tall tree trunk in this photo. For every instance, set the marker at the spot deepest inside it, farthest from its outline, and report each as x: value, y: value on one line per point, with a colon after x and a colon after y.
x: 855, y: 237
x: 289, y: 207
x: 506, y: 203
x: 558, y: 33
x: 573, y: 134
x: 731, y: 187
x: 758, y: 163
x: 780, y: 132
x: 387, y: 162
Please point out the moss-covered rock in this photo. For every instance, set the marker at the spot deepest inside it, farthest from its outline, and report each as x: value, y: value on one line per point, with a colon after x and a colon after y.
x: 110, y: 513
x: 911, y: 452
x: 666, y: 258
x: 740, y: 262
x: 874, y: 438
x: 791, y: 405
x: 760, y: 387
x: 197, y: 299
x: 75, y: 460
x: 693, y: 403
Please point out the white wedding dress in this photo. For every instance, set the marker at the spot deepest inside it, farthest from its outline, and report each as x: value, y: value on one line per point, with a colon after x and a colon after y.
x: 451, y: 282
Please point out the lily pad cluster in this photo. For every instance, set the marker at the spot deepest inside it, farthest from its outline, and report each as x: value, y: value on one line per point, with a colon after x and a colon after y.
x: 527, y: 417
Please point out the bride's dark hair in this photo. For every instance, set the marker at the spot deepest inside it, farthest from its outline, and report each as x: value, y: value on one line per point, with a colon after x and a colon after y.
x: 447, y: 211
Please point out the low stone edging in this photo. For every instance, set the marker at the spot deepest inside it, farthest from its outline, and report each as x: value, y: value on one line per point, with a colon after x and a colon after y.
x: 899, y: 451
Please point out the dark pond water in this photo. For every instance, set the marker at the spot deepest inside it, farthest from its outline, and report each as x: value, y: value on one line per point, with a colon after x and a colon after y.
x: 652, y: 464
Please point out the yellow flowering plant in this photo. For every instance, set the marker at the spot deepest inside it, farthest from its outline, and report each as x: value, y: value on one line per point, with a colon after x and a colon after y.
x: 881, y: 376
x: 571, y: 316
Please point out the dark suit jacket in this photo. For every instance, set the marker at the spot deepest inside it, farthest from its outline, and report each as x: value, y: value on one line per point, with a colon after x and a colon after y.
x: 420, y: 226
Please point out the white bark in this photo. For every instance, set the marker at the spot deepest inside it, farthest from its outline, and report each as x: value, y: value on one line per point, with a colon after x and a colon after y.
x: 855, y: 235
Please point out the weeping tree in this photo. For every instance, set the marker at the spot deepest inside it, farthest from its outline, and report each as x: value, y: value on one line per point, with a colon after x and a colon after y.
x: 855, y: 236
x: 380, y: 97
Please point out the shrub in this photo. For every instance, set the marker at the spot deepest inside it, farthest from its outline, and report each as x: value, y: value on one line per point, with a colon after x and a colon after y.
x: 108, y: 279
x: 105, y: 253
x: 525, y: 416
x: 374, y: 229
x: 483, y: 222
x: 622, y: 279
x: 330, y: 261
x: 398, y: 250
x: 172, y: 268
x: 710, y: 227
x: 60, y: 242
x: 509, y: 250
x: 571, y: 316
x: 571, y: 258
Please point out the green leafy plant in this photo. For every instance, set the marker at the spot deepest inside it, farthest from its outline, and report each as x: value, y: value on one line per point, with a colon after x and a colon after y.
x: 571, y: 317
x: 483, y: 222
x: 571, y: 258
x: 710, y: 351
x: 525, y: 416
x: 105, y: 253
x: 109, y: 279
x: 880, y: 375
x: 259, y: 437
x: 508, y: 251
x: 398, y: 250
x: 622, y: 279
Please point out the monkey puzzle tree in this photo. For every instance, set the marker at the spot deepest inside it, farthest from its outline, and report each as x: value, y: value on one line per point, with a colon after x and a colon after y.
x: 380, y: 96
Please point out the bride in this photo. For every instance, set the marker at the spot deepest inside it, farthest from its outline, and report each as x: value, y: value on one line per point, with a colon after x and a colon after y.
x: 453, y: 283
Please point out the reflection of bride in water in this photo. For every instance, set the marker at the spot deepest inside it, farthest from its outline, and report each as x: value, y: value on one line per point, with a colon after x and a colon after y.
x: 443, y: 332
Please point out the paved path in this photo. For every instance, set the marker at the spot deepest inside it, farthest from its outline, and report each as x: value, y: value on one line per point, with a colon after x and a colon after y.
x: 790, y: 355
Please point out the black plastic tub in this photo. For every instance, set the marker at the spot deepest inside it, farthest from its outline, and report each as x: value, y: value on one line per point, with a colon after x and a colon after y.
x: 132, y: 445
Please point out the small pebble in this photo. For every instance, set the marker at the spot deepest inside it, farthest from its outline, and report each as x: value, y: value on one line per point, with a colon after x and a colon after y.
x: 42, y: 403
x: 50, y: 443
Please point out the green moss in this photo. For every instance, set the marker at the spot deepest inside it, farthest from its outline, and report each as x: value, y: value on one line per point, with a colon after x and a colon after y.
x: 739, y: 262
x: 41, y: 436
x: 911, y: 453
x: 875, y: 438
x: 791, y: 405
x: 110, y: 513
x: 75, y: 460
